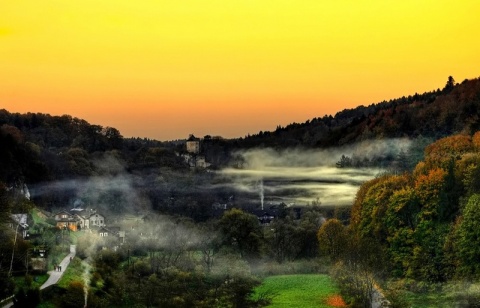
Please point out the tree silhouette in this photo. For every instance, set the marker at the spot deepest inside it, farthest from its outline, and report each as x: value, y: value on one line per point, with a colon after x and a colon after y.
x: 449, y: 85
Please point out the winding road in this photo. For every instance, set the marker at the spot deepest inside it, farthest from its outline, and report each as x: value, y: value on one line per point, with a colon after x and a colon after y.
x: 55, y: 275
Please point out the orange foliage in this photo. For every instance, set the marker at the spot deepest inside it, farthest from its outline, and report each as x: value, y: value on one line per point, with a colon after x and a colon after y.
x: 449, y: 147
x: 476, y: 140
x: 336, y: 301
x: 429, y: 188
x: 420, y: 168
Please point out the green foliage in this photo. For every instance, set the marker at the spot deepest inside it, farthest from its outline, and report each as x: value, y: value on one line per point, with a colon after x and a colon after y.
x: 282, y: 240
x: 467, y: 235
x: 468, y: 172
x: 241, y: 231
x: 428, y: 260
x: 74, y: 296
x: 332, y: 238
x: 414, y: 217
x: 375, y: 204
x: 74, y: 272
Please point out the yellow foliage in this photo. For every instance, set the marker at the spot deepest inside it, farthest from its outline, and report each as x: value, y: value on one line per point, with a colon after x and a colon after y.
x: 448, y: 148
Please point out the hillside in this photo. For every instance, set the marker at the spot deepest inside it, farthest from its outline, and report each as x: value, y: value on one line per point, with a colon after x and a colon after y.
x: 37, y: 149
x: 439, y: 113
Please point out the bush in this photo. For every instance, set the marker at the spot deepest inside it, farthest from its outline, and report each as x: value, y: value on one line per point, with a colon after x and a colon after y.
x: 75, y: 296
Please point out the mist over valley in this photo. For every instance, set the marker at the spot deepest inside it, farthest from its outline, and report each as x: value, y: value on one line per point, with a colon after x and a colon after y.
x: 366, y: 198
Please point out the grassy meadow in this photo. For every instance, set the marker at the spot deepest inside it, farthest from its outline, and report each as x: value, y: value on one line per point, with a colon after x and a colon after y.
x: 301, y: 291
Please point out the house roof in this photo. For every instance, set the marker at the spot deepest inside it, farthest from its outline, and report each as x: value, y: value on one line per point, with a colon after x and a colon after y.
x: 68, y: 219
x: 96, y: 214
x: 103, y: 229
x: 110, y: 231
x: 193, y: 138
x: 63, y: 212
x: 80, y: 216
x: 261, y: 213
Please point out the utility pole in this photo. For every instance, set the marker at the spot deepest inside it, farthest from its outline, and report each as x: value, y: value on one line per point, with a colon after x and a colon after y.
x: 13, y: 251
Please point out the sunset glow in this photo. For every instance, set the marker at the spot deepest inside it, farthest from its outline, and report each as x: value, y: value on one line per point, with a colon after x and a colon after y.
x: 165, y: 69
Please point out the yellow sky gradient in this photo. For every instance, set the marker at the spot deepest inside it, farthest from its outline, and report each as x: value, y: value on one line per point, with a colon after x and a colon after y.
x: 165, y: 69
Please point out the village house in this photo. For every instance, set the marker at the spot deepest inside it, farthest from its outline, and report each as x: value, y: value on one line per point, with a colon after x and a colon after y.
x: 83, y: 216
x: 104, y: 232
x: 264, y: 218
x: 193, y: 145
x: 193, y: 157
x: 77, y: 219
x: 109, y: 232
x: 113, y: 237
x: 96, y: 220
x: 66, y: 220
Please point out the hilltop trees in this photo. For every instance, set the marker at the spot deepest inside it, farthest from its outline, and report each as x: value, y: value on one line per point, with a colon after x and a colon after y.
x: 449, y: 85
x: 434, y: 114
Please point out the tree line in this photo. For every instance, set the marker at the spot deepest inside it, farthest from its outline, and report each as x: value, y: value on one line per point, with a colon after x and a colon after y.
x: 419, y: 226
x: 435, y: 114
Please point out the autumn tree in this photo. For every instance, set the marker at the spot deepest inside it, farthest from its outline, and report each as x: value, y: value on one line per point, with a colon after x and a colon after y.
x: 332, y: 238
x: 430, y: 191
x: 447, y: 149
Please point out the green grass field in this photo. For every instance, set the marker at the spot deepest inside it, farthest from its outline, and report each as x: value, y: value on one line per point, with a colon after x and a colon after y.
x: 299, y: 290
x: 74, y: 272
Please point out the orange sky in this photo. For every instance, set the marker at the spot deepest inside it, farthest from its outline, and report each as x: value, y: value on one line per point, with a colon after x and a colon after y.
x: 165, y: 69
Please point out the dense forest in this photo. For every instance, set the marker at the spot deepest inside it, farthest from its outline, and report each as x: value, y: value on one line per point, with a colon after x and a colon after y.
x: 414, y: 224
x: 419, y: 227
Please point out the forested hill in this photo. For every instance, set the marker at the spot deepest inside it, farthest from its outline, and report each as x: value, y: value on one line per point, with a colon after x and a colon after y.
x: 38, y: 147
x: 454, y: 109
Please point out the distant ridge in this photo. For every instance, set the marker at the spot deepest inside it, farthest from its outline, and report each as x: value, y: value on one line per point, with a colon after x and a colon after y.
x: 439, y: 113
